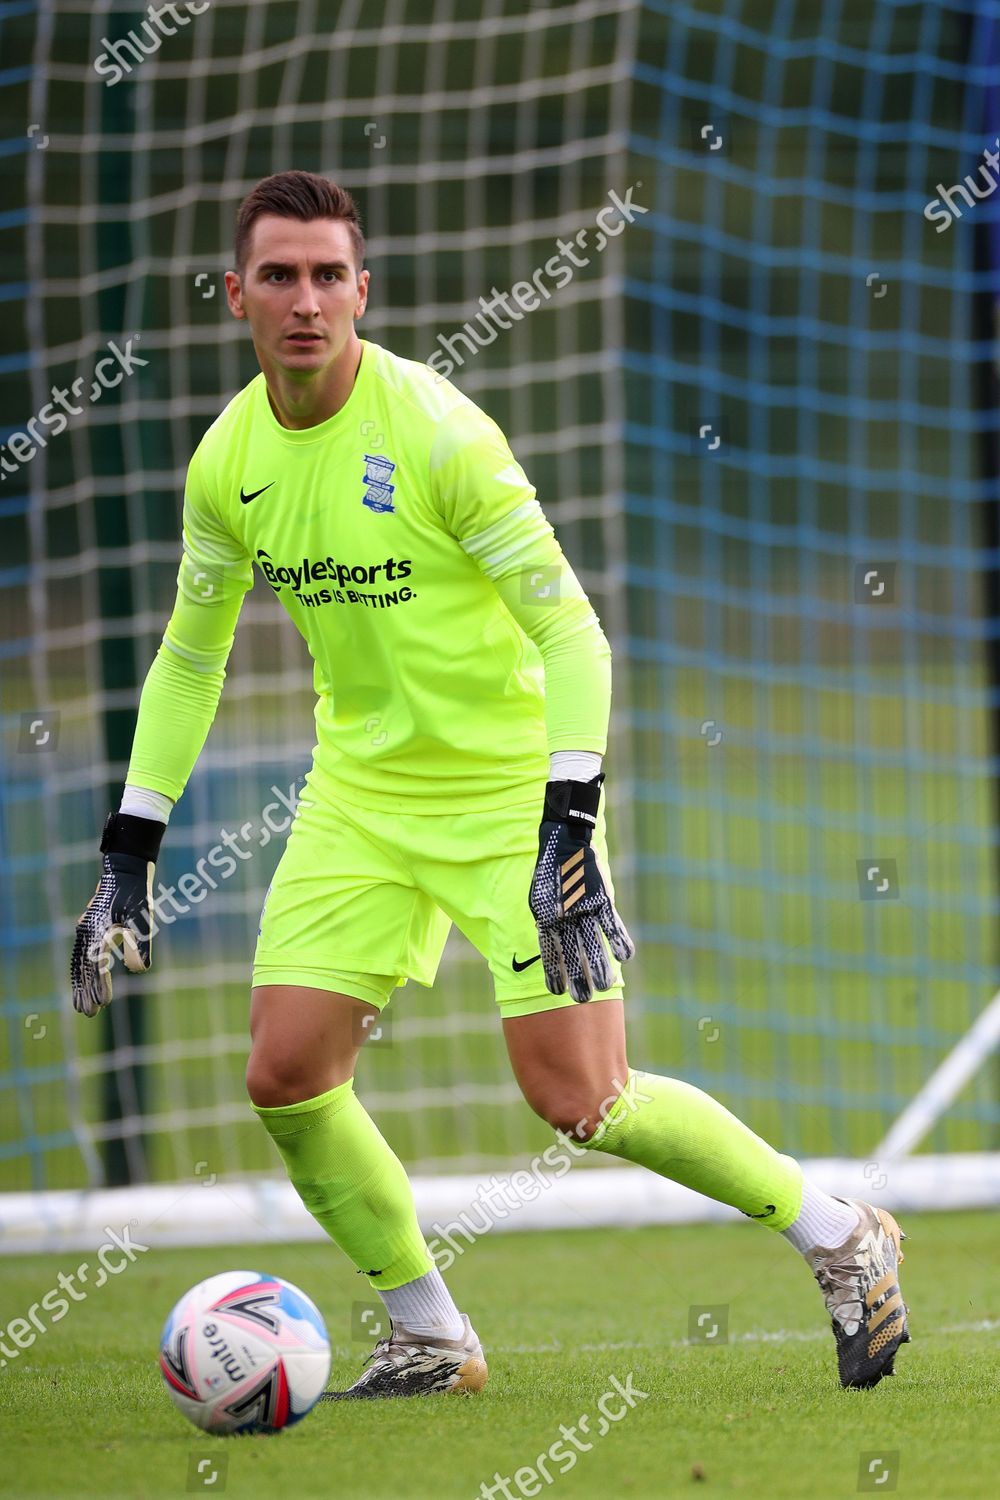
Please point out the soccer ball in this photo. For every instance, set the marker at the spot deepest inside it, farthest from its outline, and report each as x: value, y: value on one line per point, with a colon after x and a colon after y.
x: 242, y: 1352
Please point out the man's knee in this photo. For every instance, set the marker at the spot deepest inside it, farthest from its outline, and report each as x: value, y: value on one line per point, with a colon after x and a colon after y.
x: 304, y: 1042
x: 576, y: 1112
x: 274, y: 1081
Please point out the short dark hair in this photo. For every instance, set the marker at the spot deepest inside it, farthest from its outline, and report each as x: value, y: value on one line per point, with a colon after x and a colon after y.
x: 297, y: 195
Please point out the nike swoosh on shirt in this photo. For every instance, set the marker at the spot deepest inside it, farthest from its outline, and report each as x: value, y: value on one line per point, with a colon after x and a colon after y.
x: 247, y: 498
x: 526, y: 965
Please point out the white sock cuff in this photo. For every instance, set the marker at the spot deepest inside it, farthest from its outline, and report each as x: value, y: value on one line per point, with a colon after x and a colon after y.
x: 425, y: 1306
x: 823, y: 1221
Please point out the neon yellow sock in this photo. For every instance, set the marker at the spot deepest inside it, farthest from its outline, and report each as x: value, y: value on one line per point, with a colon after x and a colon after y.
x: 682, y: 1133
x: 352, y: 1183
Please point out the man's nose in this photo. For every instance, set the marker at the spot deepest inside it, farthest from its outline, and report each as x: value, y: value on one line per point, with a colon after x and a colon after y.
x: 306, y: 301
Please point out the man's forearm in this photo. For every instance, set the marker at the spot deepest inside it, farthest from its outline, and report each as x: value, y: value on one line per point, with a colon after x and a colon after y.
x: 176, y: 711
x: 577, y: 661
x: 522, y: 557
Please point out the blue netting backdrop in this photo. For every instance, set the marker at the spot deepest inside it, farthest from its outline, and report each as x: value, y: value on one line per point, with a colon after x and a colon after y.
x: 762, y: 424
x: 810, y: 531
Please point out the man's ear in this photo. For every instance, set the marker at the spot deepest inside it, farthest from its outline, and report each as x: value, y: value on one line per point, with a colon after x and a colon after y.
x: 234, y: 294
x: 362, y: 298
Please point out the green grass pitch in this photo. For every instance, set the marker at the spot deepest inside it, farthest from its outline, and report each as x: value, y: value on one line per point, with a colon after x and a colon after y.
x: 83, y: 1411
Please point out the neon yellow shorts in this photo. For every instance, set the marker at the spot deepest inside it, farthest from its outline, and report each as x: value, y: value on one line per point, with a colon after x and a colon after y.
x: 362, y: 901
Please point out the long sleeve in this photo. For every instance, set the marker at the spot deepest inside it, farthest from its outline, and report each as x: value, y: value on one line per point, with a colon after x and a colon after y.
x: 489, y: 505
x: 533, y: 578
x: 181, y: 693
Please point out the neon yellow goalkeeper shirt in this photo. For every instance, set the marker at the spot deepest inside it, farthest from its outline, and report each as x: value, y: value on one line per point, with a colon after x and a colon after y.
x: 453, y: 646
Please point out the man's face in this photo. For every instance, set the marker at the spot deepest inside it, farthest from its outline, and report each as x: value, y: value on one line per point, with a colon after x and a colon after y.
x: 300, y: 293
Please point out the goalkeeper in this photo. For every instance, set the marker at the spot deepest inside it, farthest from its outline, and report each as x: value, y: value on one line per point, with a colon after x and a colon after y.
x: 463, y: 689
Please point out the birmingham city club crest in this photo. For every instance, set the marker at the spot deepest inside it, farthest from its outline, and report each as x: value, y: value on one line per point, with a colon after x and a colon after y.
x: 378, y: 490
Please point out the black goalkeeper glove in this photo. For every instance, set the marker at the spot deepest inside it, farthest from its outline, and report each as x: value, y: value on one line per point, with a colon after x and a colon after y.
x: 569, y: 899
x: 119, y: 910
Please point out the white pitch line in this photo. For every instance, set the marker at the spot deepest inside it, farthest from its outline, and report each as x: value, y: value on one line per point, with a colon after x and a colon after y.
x: 762, y: 1336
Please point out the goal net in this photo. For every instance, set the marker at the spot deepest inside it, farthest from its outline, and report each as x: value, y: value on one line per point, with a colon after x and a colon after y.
x: 754, y: 417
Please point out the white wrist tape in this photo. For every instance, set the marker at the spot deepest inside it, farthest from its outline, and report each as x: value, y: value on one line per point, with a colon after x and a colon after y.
x: 140, y: 802
x: 574, y: 765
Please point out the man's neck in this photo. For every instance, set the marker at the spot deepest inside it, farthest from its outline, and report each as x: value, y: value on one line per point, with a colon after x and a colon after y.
x: 298, y: 405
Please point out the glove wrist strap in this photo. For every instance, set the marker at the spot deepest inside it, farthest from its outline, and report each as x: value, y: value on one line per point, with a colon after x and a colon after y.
x: 574, y: 802
x: 126, y: 834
